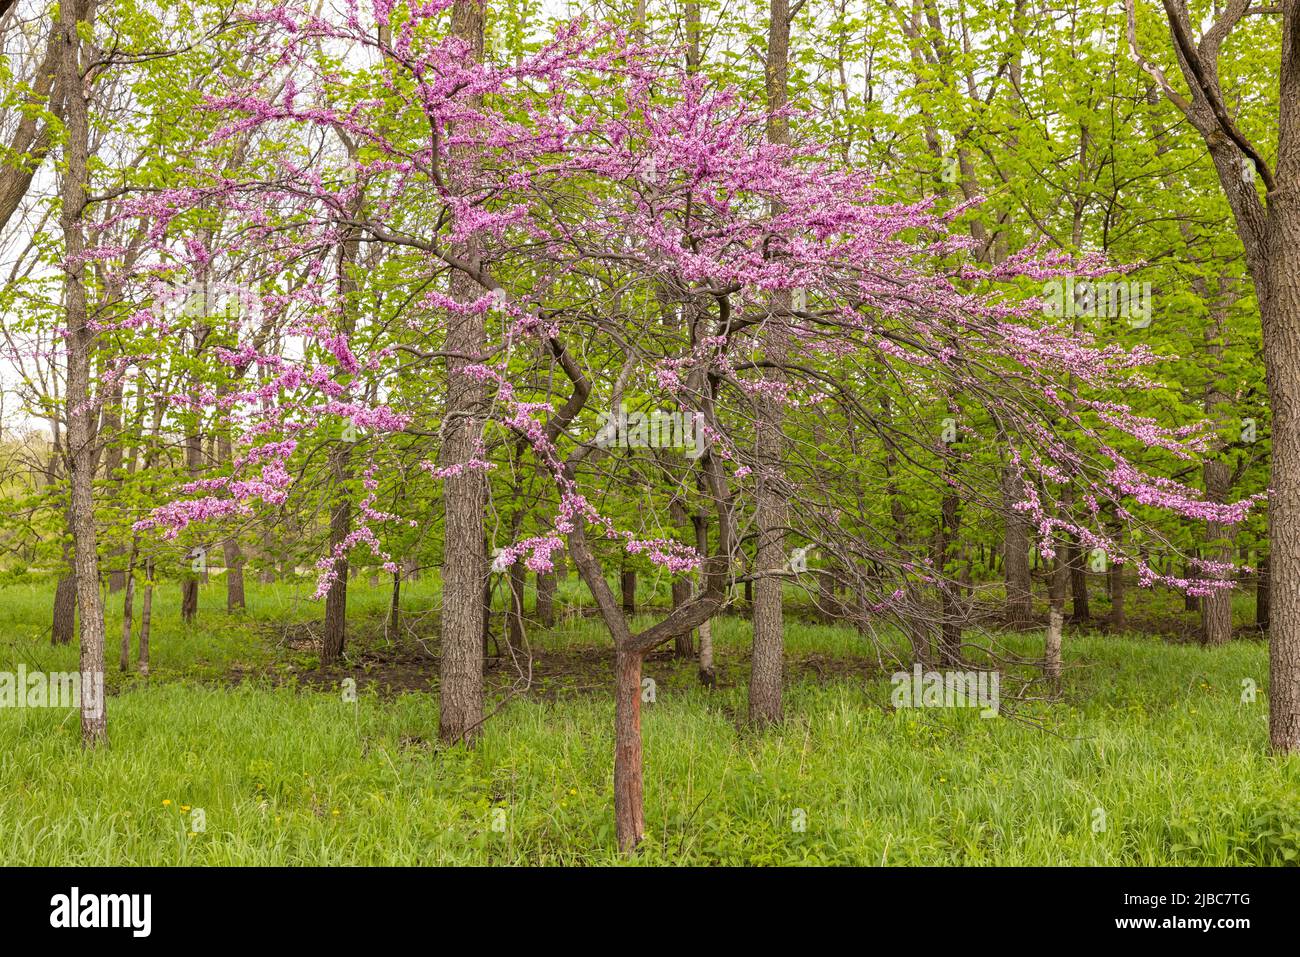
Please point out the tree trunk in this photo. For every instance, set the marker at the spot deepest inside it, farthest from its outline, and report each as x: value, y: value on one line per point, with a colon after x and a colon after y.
x: 233, y: 556
x: 111, y: 430
x: 189, y: 596
x: 464, y: 565
x: 487, y: 615
x: 706, y: 673
x: 1078, y: 582
x: 515, y: 614
x: 544, y: 608
x: 65, y: 609
x: 951, y: 607
x: 1216, y: 607
x: 334, y: 638
x: 146, y: 619
x: 827, y: 604
x: 627, y: 584
x: 1270, y: 235
x: 629, y: 810
x: 80, y: 344
x: 128, y: 611
x: 392, y: 627
x: 189, y: 579
x: 683, y: 645
x: 1055, y: 619
x: 1016, y: 531
x: 1281, y: 319
x: 1115, y: 579
x: 767, y: 667
x: 1191, y: 602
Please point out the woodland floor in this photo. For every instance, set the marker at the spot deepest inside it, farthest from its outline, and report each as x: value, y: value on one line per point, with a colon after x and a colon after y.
x: 1149, y: 755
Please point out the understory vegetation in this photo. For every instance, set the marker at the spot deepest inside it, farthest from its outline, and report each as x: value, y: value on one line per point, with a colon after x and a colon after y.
x: 236, y: 720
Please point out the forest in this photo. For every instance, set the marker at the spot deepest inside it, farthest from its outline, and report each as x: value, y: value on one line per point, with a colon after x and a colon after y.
x: 660, y: 432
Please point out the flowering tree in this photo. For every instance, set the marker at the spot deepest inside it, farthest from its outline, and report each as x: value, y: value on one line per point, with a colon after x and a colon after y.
x: 624, y: 234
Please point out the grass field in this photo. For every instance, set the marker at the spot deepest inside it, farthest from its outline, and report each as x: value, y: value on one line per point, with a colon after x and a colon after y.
x: 1149, y: 756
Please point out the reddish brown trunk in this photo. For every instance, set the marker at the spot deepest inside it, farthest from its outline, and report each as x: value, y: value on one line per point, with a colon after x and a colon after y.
x: 629, y: 810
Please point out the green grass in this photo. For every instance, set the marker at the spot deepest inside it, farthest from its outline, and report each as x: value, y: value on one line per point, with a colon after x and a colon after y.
x: 1154, y: 735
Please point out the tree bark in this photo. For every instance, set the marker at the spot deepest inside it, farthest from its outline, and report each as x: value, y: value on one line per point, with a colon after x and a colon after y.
x: 80, y: 343
x: 1270, y: 235
x: 189, y: 579
x: 65, y: 607
x: 1080, y: 611
x: 1216, y: 607
x: 334, y: 636
x: 767, y: 667
x: 231, y: 554
x: 1262, y: 594
x: 683, y: 645
x: 393, y: 625
x: 627, y: 585
x: 464, y: 565
x: 951, y: 607
x: 110, y: 438
x: 707, y: 676
x: 515, y: 614
x: 629, y: 807
x: 1116, y: 619
x: 1055, y: 619
x: 33, y: 135
x: 828, y: 605
x: 1015, y: 561
x: 544, y: 608
x: 128, y: 610
x: 146, y: 619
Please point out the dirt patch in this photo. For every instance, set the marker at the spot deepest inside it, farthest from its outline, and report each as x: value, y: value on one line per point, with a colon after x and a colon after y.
x: 390, y: 668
